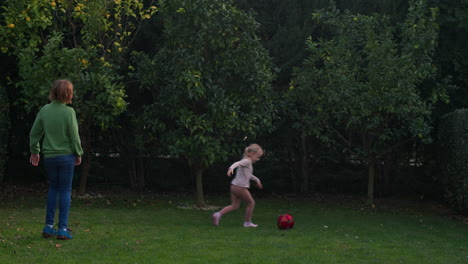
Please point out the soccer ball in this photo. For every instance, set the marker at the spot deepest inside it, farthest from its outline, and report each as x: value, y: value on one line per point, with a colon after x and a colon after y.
x: 285, y: 221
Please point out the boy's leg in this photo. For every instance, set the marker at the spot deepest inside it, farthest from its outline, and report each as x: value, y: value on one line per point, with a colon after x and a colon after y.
x: 52, y: 177
x: 64, y: 189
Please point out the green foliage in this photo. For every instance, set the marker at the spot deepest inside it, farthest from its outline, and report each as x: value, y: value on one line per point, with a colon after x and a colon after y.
x: 78, y: 40
x: 365, y: 76
x: 360, y: 81
x: 211, y: 85
x: 285, y: 25
x: 4, y: 131
x: 83, y: 41
x: 210, y: 82
x: 100, y: 24
x: 99, y: 93
x: 453, y: 157
x: 453, y: 50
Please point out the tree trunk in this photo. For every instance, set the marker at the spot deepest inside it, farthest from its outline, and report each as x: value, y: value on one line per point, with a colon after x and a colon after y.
x: 140, y: 172
x: 132, y: 155
x: 86, y: 159
x: 304, y: 164
x: 131, y: 170
x: 136, y: 169
x: 199, y: 185
x: 371, y: 180
x: 387, y: 173
x: 292, y: 165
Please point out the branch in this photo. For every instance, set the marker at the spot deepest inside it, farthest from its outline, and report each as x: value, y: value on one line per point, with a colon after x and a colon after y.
x: 135, y: 33
x: 72, y: 24
x: 345, y: 141
x: 390, y: 149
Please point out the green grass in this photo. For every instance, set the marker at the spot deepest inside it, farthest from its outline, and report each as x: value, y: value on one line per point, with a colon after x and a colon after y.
x: 157, y: 230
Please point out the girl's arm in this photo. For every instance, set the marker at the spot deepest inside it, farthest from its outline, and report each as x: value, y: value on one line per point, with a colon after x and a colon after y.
x: 243, y: 162
x: 258, y: 182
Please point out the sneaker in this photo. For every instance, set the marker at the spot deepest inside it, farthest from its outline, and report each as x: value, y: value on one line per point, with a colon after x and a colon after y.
x: 216, y: 217
x: 250, y: 225
x: 49, y: 232
x: 64, y: 234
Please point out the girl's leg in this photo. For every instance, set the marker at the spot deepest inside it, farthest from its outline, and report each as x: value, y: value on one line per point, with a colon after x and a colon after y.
x: 244, y: 195
x: 239, y: 194
x: 235, y: 204
x: 235, y: 201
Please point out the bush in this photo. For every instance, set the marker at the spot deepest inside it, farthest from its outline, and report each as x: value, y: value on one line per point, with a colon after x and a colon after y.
x: 453, y: 158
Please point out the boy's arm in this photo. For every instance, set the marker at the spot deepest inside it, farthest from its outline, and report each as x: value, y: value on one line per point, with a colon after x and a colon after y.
x: 34, y: 159
x: 35, y: 135
x: 74, y: 134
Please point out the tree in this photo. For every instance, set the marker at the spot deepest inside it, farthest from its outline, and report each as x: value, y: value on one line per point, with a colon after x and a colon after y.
x: 84, y: 41
x: 362, y: 80
x: 210, y: 82
x: 285, y: 26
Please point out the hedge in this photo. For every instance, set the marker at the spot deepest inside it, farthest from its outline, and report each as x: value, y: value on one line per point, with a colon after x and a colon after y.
x: 453, y: 158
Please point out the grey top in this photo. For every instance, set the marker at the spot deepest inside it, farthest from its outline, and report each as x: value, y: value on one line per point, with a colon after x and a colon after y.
x: 243, y: 173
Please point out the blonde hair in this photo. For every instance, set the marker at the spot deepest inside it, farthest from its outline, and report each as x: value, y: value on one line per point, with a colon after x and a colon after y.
x: 61, y: 91
x: 252, y: 149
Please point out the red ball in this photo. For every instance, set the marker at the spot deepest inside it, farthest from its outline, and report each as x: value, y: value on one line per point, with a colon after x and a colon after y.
x: 285, y: 221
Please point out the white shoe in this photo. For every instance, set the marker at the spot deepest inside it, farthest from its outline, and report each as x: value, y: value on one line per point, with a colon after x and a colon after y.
x: 215, y: 218
x: 250, y: 225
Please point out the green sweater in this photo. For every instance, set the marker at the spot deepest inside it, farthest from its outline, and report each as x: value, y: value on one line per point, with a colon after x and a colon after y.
x: 57, y: 123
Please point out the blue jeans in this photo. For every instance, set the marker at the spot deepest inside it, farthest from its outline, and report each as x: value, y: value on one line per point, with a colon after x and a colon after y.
x: 60, y: 174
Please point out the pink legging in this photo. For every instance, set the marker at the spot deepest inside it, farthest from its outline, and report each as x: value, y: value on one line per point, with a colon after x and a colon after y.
x: 239, y: 194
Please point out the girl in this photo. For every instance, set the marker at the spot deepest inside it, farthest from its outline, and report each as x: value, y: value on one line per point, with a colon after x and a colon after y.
x: 62, y: 151
x: 240, y: 185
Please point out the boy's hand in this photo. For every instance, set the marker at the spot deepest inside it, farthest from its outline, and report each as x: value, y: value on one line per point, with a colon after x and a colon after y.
x: 229, y: 173
x: 34, y: 159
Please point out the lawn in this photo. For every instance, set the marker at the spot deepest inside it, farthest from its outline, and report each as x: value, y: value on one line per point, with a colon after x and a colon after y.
x: 151, y: 228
